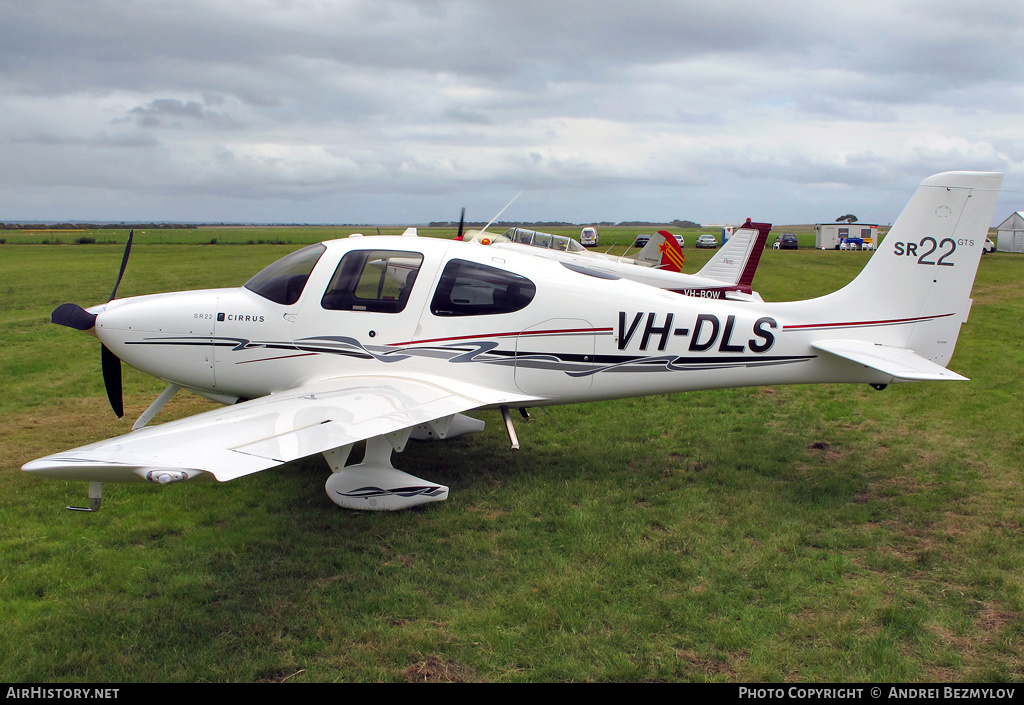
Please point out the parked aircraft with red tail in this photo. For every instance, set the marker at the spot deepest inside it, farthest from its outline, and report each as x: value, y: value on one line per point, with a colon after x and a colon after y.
x: 727, y: 275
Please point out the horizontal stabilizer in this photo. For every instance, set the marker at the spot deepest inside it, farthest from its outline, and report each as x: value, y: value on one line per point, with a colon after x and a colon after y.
x: 901, y: 363
x: 743, y: 296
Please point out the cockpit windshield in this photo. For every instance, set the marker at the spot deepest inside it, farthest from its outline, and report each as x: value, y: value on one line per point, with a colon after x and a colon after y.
x: 283, y: 281
x: 548, y: 241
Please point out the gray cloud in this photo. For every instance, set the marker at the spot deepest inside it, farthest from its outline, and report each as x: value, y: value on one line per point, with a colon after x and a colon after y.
x: 176, y: 113
x: 385, y: 110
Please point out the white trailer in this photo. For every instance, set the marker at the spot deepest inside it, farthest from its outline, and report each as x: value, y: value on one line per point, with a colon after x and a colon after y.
x: 827, y: 236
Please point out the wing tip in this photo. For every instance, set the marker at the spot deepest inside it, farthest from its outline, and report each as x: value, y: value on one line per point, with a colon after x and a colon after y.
x: 78, y: 468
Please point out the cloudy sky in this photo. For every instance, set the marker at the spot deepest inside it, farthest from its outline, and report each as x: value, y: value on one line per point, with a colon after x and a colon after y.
x: 405, y: 111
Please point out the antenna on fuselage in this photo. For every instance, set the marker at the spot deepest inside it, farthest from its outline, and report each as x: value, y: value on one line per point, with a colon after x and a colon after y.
x: 499, y: 213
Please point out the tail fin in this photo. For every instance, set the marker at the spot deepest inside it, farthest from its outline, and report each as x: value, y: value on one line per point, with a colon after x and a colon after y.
x: 662, y: 251
x: 915, y: 291
x: 736, y: 261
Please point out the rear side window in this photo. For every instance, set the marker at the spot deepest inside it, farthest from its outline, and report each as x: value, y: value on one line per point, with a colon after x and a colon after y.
x: 283, y: 281
x: 471, y: 289
x: 372, y: 280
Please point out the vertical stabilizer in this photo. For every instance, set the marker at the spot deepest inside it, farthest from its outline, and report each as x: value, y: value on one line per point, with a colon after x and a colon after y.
x: 736, y: 261
x: 662, y: 251
x: 915, y: 291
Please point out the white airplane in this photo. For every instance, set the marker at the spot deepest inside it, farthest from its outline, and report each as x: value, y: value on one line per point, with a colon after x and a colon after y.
x: 728, y: 274
x: 329, y: 347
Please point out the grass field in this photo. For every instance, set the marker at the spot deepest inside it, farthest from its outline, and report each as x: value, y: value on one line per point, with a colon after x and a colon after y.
x: 809, y: 533
x: 295, y: 235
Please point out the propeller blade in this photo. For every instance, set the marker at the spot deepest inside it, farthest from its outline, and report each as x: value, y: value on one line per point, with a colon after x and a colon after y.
x: 462, y: 222
x: 112, y: 380
x: 73, y: 316
x: 124, y: 263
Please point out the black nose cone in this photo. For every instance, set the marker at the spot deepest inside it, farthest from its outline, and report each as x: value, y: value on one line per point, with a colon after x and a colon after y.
x: 73, y: 316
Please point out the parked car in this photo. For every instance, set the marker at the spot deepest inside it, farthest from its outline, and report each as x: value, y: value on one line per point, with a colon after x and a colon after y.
x: 642, y: 239
x: 989, y: 246
x: 589, y: 237
x: 707, y: 240
x: 786, y: 241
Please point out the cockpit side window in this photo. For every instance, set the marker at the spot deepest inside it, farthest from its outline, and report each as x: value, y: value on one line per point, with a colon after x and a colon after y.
x: 372, y: 280
x: 541, y: 239
x: 547, y: 240
x: 283, y: 281
x: 471, y: 289
x: 524, y: 237
x: 559, y: 242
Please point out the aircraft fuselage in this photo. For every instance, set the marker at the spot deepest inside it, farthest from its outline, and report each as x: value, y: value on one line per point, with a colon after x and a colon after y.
x: 578, y: 338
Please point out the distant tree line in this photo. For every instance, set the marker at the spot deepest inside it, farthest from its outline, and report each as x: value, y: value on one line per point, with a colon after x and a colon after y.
x: 674, y: 224
x: 436, y: 224
x: 92, y: 226
x: 473, y: 225
x: 558, y: 224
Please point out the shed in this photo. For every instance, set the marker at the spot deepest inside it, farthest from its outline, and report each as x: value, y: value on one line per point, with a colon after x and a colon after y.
x: 828, y: 235
x: 1010, y: 236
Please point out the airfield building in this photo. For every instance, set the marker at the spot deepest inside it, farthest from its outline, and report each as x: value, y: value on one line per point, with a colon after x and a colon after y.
x: 1010, y: 237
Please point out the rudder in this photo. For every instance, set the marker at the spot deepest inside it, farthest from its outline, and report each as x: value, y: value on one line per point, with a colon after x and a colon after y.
x: 662, y: 251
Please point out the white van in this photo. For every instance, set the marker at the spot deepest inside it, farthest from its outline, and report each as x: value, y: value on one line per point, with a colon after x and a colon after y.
x: 588, y: 237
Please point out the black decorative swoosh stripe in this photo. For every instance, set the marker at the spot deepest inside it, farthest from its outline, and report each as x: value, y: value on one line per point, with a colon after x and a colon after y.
x: 487, y: 352
x: 675, y: 363
x: 211, y: 341
x: 371, y: 492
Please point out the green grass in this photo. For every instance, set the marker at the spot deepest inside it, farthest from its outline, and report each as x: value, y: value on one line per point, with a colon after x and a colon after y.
x: 296, y: 234
x: 809, y: 533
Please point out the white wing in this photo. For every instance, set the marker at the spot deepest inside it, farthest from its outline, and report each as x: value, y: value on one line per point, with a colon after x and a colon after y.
x: 245, y: 438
